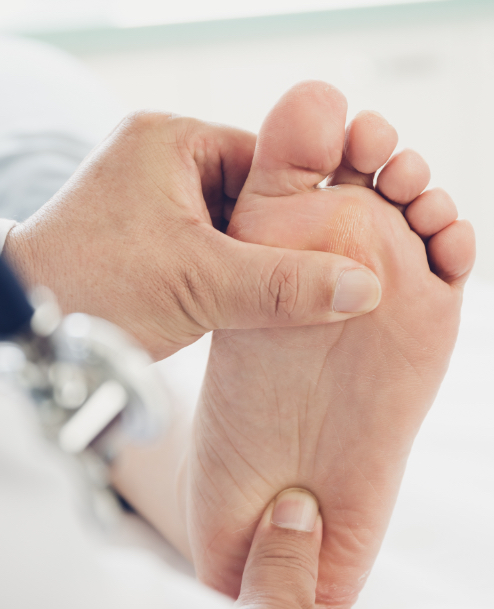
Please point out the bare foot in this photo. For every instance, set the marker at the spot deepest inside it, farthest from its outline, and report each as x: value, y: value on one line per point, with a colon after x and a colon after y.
x: 333, y: 409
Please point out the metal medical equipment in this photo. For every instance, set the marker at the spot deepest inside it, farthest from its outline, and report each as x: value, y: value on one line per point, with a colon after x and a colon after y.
x: 91, y: 384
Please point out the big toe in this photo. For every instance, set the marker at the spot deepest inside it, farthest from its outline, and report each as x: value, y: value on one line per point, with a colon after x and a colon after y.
x: 300, y: 142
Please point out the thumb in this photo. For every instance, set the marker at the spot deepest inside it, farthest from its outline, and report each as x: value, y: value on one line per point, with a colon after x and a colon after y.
x: 281, y: 570
x: 261, y: 286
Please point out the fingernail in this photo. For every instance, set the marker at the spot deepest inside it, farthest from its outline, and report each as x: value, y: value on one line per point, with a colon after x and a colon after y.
x: 295, y: 509
x: 357, y: 291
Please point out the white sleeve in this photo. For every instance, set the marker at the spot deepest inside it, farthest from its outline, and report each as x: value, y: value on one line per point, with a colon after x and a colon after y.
x: 49, y: 559
x: 5, y: 227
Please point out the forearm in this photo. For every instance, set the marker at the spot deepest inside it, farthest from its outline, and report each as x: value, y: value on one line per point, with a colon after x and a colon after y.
x: 152, y: 479
x: 149, y: 477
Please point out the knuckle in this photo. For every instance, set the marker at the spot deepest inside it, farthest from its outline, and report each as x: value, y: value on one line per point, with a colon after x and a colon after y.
x: 199, y: 139
x: 284, y: 294
x: 287, y: 555
x: 287, y: 568
x: 141, y: 121
x: 142, y: 125
x: 167, y: 132
x: 195, y: 292
x: 190, y: 289
x: 189, y: 137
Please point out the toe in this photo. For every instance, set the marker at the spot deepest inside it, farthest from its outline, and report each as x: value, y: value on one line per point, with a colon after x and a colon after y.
x: 432, y: 211
x: 404, y: 177
x: 300, y: 142
x: 369, y: 142
x: 451, y: 252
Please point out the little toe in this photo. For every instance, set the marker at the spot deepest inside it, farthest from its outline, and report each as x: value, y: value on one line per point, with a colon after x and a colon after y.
x: 451, y: 252
x: 369, y: 142
x: 432, y: 211
x: 300, y: 142
x: 404, y: 177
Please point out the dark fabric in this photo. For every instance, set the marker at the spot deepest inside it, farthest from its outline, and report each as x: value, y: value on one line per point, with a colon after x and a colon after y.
x: 15, y: 310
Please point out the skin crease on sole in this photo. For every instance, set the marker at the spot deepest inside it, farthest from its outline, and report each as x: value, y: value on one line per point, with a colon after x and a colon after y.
x: 333, y: 408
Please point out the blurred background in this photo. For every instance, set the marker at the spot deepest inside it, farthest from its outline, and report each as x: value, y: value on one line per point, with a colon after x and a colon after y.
x: 427, y: 66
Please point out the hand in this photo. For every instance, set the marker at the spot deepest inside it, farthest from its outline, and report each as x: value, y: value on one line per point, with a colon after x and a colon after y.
x: 134, y: 238
x: 281, y: 570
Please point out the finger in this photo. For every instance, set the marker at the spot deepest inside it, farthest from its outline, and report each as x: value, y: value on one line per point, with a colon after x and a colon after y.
x: 223, y: 156
x: 236, y: 153
x: 244, y: 285
x: 201, y: 164
x: 281, y: 570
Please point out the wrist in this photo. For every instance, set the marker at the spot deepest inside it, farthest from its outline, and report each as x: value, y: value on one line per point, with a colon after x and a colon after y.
x: 19, y: 254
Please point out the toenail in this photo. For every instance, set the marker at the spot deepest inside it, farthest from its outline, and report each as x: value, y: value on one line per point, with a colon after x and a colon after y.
x: 295, y: 509
x: 357, y: 291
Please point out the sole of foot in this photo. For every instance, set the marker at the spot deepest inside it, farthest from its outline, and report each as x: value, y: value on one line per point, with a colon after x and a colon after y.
x: 335, y: 408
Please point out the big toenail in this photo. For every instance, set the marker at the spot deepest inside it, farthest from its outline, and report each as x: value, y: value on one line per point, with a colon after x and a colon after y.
x: 357, y: 291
